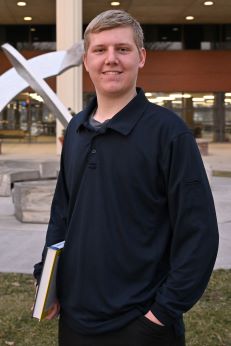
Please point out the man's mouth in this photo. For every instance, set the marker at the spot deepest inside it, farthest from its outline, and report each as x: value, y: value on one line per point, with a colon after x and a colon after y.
x: 112, y: 72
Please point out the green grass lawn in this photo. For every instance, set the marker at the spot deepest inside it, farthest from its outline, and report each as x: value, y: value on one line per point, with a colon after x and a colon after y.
x: 207, y: 324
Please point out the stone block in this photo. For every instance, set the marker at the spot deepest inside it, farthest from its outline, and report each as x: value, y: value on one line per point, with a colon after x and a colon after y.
x: 5, y: 184
x: 32, y: 200
x: 49, y: 169
x: 25, y: 170
x: 19, y: 164
x: 9, y: 176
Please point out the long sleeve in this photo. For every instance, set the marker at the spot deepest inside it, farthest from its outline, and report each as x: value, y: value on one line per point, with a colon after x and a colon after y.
x: 58, y: 218
x: 193, y: 221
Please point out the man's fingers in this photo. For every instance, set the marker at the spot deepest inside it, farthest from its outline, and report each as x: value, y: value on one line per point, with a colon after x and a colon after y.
x: 53, y: 312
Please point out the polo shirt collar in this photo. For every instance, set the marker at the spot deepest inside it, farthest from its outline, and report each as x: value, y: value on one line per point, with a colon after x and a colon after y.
x: 125, y: 120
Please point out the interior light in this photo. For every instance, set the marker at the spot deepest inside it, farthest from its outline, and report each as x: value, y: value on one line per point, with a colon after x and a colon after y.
x: 209, y: 97
x: 176, y: 96
x: 180, y: 96
x: 160, y: 98
x: 177, y: 102
x: 189, y: 18
x: 198, y: 99
x: 27, y: 18
x: 32, y: 29
x: 165, y: 98
x: 153, y: 100
x: 115, y: 3
x: 228, y: 94
x: 36, y: 97
x: 148, y: 94
x: 157, y: 100
x: 21, y: 3
x: 208, y: 3
x: 169, y: 98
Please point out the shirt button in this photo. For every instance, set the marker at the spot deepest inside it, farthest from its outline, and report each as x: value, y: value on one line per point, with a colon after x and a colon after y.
x: 93, y: 151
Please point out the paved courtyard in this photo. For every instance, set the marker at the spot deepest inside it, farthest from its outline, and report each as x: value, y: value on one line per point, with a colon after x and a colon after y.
x: 21, y: 243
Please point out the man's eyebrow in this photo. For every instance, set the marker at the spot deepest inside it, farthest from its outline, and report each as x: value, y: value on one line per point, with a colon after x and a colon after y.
x: 124, y: 44
x: 116, y: 44
x: 98, y: 45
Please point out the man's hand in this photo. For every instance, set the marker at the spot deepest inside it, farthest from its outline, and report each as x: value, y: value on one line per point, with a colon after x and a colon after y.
x: 53, y: 311
x: 153, y: 318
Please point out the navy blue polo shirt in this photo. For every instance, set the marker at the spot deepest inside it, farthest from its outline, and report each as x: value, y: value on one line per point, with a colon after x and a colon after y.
x: 134, y: 205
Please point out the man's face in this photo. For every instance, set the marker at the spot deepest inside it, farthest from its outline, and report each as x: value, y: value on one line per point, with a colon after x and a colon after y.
x: 113, y: 61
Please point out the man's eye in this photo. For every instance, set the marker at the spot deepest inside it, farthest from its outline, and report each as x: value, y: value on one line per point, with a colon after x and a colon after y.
x: 123, y: 49
x: 99, y: 50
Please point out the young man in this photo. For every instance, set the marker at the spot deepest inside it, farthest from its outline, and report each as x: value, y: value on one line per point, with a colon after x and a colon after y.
x: 133, y: 204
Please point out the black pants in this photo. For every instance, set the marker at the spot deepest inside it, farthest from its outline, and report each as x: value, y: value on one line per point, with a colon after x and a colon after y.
x: 141, y: 332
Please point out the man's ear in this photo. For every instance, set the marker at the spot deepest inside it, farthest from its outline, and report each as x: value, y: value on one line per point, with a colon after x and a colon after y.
x: 85, y: 61
x: 142, y: 53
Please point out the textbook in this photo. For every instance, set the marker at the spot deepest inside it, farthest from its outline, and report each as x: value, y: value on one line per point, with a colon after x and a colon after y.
x: 46, y: 293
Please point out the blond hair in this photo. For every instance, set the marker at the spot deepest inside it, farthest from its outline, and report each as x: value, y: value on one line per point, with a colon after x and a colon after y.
x: 112, y: 19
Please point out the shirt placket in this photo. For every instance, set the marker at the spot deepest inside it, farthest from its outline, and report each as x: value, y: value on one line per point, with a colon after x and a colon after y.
x: 92, y: 156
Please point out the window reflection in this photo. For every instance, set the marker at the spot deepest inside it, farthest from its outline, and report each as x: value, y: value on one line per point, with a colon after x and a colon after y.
x: 208, y: 115
x: 28, y: 112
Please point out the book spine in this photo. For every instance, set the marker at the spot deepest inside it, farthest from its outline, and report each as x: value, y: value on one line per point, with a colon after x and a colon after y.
x: 44, y: 311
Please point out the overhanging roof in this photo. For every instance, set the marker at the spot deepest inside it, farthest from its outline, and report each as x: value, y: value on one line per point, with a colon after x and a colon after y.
x: 146, y: 11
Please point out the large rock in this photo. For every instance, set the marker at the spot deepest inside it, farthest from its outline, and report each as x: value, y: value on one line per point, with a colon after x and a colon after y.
x: 12, y: 171
x: 49, y: 169
x: 9, y: 176
x: 16, y: 164
x: 32, y: 200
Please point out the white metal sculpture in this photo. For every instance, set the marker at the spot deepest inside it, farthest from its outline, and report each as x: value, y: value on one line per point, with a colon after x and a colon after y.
x: 32, y: 73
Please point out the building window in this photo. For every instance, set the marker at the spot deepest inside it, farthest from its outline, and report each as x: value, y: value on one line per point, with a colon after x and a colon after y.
x: 208, y: 115
x: 32, y: 37
x: 188, y: 36
x: 28, y: 112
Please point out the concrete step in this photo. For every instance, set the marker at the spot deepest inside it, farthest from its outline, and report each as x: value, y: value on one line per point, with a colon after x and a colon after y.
x: 25, y: 170
x: 32, y: 200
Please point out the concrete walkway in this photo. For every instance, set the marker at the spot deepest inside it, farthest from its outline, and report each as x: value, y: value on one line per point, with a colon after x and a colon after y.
x: 21, y: 244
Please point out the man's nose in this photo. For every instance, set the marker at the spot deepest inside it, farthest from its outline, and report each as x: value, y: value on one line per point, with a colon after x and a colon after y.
x: 111, y: 57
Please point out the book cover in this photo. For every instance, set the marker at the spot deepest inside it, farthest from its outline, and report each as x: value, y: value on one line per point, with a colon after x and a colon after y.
x: 46, y: 293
